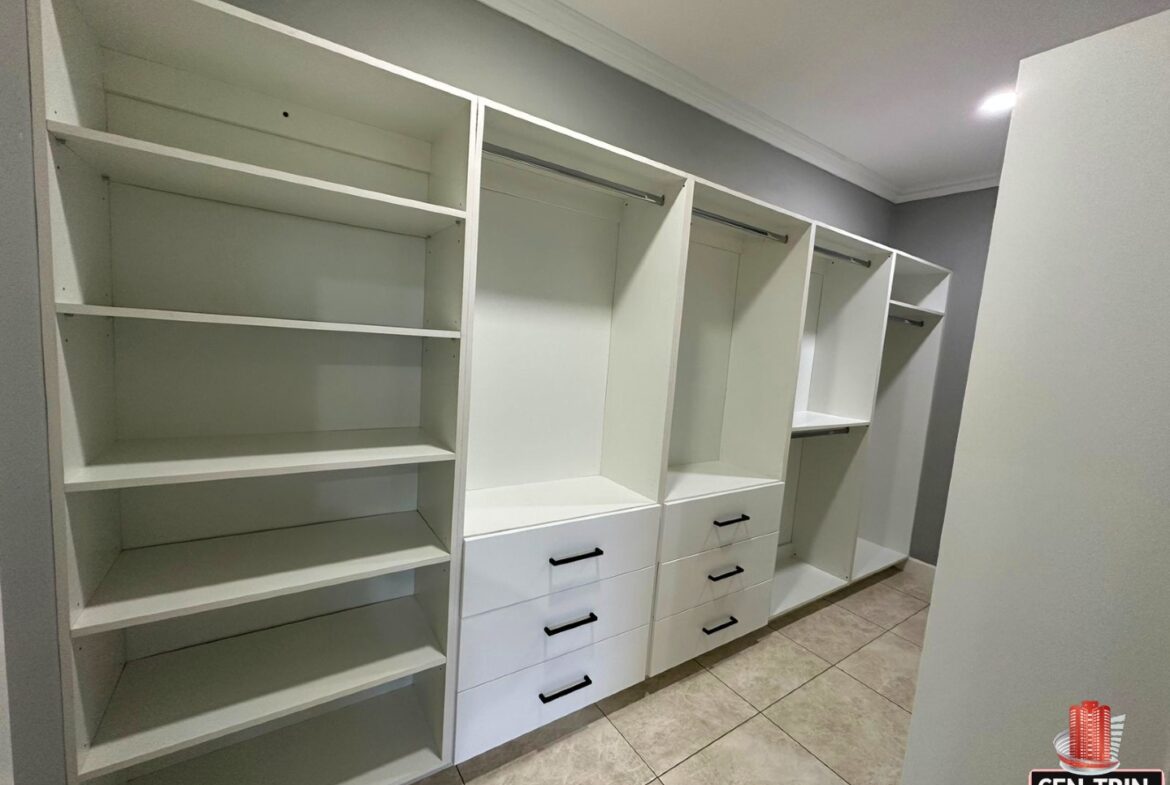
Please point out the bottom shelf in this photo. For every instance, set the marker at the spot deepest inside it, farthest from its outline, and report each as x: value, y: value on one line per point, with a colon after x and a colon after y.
x: 384, y: 740
x: 502, y: 508
x: 873, y: 558
x: 687, y: 481
x: 797, y: 583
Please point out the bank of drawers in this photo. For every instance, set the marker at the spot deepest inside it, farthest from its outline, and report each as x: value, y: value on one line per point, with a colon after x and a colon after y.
x: 686, y: 635
x: 699, y: 579
x: 555, y: 617
x: 692, y: 526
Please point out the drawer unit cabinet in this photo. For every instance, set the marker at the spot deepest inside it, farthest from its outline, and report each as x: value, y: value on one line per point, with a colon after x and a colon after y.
x: 505, y: 640
x: 492, y: 713
x: 695, y: 580
x: 514, y: 566
x: 691, y: 526
x: 697, y: 630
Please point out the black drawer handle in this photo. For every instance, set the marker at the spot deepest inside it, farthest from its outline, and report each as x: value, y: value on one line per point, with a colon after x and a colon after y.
x: 551, y: 631
x: 593, y: 554
x: 585, y: 682
x: 731, y: 620
x: 731, y: 521
x: 729, y: 574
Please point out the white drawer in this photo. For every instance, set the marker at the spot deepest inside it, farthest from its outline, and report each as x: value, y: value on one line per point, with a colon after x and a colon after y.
x: 689, y: 526
x: 695, y: 580
x: 681, y: 637
x: 498, y: 642
x: 509, y: 567
x: 491, y: 714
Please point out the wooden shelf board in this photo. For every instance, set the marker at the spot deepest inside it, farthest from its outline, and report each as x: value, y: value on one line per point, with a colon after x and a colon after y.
x: 492, y: 510
x: 166, y: 581
x: 140, y: 462
x: 817, y: 421
x: 691, y: 480
x: 383, y: 740
x: 873, y: 558
x: 171, y: 169
x: 177, y: 700
x: 798, y: 583
x: 908, y: 311
x: 119, y: 312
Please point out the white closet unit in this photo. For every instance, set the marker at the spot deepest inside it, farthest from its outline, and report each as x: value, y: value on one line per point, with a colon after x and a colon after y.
x: 897, y: 436
x: 579, y: 283
x: 739, y: 349
x: 256, y: 274
x: 840, y: 360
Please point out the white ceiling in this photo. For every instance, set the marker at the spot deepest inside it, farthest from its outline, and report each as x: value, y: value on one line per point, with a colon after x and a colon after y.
x: 880, y: 92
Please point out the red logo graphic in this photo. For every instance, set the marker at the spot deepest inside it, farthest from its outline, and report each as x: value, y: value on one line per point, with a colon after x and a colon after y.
x: 1092, y: 741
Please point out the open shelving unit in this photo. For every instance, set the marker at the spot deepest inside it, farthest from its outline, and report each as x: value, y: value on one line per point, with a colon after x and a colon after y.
x: 259, y: 254
x: 739, y: 344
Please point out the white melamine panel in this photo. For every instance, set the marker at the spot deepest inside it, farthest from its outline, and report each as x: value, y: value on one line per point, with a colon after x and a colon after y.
x: 872, y: 558
x: 492, y: 713
x: 829, y: 500
x: 685, y: 481
x: 502, y: 569
x: 172, y: 169
x: 806, y: 421
x: 691, y: 581
x: 681, y: 637
x: 907, y: 311
x: 79, y: 217
x: 379, y: 741
x: 920, y: 283
x: 615, y: 605
x: 689, y: 526
x: 166, y: 581
x: 798, y: 583
x: 519, y: 506
x: 174, y: 701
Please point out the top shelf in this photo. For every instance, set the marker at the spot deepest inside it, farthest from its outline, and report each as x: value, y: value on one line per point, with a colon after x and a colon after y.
x: 171, y: 169
x: 491, y: 510
x: 909, y: 311
x: 803, y: 422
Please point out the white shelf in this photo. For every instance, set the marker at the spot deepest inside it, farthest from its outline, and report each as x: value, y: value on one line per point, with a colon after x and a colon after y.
x: 819, y: 421
x: 518, y: 506
x: 703, y: 479
x: 119, y: 312
x: 175, y: 701
x: 384, y: 740
x: 140, y: 462
x: 165, y: 581
x: 164, y: 168
x: 908, y: 311
x: 797, y: 583
x: 873, y: 558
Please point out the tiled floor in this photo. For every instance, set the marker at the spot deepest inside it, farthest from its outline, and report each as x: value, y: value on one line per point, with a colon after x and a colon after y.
x: 821, y: 697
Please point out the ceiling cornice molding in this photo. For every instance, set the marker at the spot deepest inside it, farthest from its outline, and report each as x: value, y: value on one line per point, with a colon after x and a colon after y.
x: 946, y: 189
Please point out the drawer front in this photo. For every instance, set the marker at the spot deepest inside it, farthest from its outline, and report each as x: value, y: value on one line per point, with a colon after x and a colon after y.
x: 511, y: 567
x: 689, y: 525
x: 682, y: 637
x: 699, y: 579
x: 503, y: 641
x: 493, y: 713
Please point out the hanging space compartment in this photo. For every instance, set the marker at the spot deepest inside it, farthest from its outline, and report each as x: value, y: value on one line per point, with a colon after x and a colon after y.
x: 897, y: 439
x: 578, y: 288
x: 257, y: 257
x: 747, y: 266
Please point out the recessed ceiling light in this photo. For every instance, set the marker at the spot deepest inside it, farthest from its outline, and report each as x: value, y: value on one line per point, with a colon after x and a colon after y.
x: 998, y: 103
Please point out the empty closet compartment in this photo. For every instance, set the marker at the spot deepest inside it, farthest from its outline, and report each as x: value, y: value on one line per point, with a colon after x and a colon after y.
x: 739, y: 345
x: 897, y: 437
x: 204, y: 98
x: 919, y: 284
x: 848, y: 292
x: 578, y: 286
x: 818, y: 526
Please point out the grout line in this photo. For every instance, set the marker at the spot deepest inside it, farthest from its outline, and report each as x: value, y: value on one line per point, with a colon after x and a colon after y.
x: 875, y: 692
x: 645, y: 762
x: 806, y: 749
x: 708, y: 744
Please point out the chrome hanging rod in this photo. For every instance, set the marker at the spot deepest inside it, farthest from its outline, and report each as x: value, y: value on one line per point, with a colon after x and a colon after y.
x: 734, y: 224
x: 540, y: 163
x: 904, y: 320
x: 825, y: 432
x: 844, y: 257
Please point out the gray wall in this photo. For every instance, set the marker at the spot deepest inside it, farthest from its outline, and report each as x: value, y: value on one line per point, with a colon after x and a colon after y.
x: 953, y: 231
x: 475, y: 48
x: 27, y: 598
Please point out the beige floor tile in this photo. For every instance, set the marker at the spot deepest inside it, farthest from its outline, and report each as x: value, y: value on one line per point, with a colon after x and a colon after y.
x: 914, y: 628
x: 882, y: 605
x: 667, y: 724
x: 755, y: 753
x: 763, y: 667
x: 581, y: 749
x: 915, y: 579
x: 889, y: 665
x: 831, y: 632
x: 445, y: 777
x: 857, y: 732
